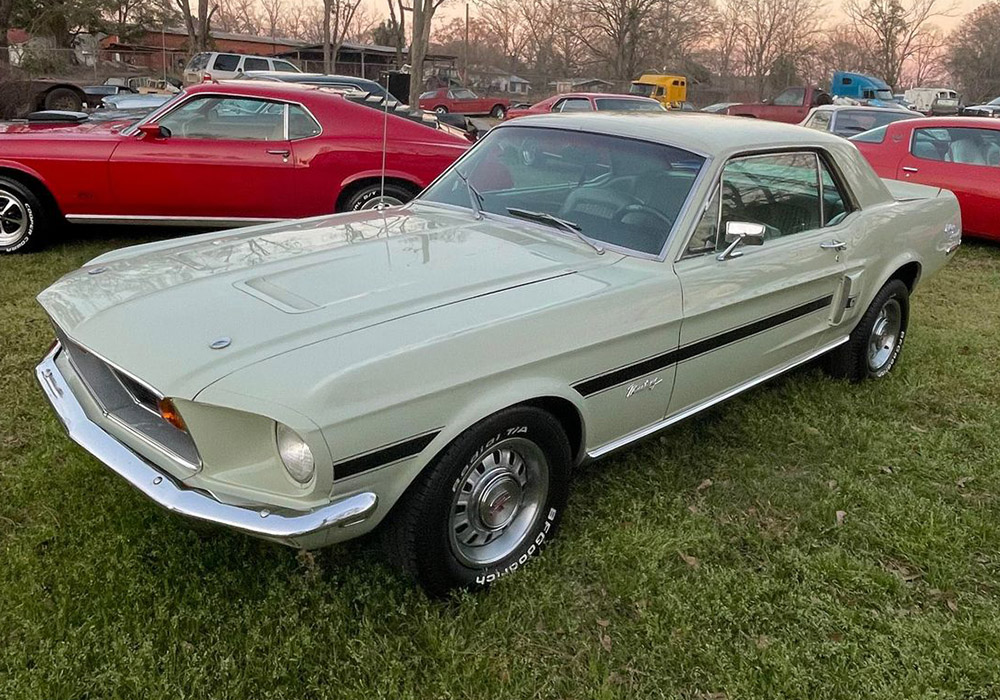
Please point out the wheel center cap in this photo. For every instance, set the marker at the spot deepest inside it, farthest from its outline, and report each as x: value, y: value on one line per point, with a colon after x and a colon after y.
x: 499, y: 502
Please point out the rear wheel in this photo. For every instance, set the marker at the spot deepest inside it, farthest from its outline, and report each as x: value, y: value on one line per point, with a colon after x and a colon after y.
x: 875, y: 343
x: 498, y: 112
x: 23, y: 221
x: 441, y: 109
x: 373, y: 196
x: 486, y: 506
x: 63, y: 98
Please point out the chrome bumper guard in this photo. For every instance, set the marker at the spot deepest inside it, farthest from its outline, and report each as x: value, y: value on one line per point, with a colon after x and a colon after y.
x: 293, y: 528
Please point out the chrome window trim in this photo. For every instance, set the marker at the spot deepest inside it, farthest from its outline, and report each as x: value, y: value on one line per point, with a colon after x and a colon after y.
x: 161, y: 112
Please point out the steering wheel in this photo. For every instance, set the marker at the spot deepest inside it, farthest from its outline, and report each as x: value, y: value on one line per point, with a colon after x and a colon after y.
x: 734, y: 192
x: 640, y: 208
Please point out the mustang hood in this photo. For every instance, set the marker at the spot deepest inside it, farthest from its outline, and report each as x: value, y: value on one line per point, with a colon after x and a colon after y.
x: 155, y: 310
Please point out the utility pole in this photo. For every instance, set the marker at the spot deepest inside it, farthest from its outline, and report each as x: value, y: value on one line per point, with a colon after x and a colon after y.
x: 465, y: 61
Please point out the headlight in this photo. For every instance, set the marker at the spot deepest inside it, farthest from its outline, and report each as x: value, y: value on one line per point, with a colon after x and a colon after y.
x: 295, y: 454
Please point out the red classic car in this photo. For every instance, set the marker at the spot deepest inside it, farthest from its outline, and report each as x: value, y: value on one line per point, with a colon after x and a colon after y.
x: 589, y: 102
x: 961, y: 154
x: 463, y: 101
x: 217, y: 155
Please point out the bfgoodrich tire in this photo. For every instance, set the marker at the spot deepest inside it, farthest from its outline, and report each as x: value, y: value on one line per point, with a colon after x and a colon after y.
x: 23, y: 221
x: 372, y: 195
x: 486, y: 506
x: 875, y: 343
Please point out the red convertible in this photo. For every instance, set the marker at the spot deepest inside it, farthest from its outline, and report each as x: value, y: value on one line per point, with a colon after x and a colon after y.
x: 217, y: 155
x: 463, y: 101
x: 589, y: 102
x: 961, y: 154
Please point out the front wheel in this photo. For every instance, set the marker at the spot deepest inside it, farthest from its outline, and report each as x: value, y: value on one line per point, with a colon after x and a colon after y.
x: 486, y: 506
x: 63, y: 98
x: 441, y: 109
x: 498, y: 112
x: 875, y: 343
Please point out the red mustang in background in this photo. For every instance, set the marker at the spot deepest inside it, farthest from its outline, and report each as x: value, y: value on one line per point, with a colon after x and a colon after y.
x: 961, y: 154
x: 589, y: 102
x: 463, y: 101
x: 217, y: 155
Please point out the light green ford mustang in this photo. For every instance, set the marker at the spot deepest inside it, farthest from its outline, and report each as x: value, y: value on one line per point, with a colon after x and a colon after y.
x: 571, y: 285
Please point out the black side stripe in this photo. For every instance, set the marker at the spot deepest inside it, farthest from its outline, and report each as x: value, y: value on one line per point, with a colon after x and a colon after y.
x: 383, y: 456
x: 672, y: 357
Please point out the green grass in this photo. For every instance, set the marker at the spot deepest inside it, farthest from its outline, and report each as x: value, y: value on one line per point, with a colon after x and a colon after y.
x: 704, y: 563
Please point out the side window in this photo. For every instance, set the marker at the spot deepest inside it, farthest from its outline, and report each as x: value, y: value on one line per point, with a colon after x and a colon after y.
x: 706, y: 234
x: 284, y: 66
x: 780, y: 191
x: 226, y: 61
x: 227, y: 118
x: 963, y: 145
x: 575, y: 104
x: 301, y: 125
x: 250, y: 63
x: 819, y: 121
x: 835, y: 204
x: 791, y: 97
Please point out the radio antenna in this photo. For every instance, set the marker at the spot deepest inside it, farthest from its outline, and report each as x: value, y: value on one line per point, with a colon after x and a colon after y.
x: 385, y: 132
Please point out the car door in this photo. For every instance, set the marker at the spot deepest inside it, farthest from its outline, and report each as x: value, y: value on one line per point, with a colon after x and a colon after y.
x: 226, y: 157
x: 789, y: 106
x: 964, y: 160
x: 762, y: 308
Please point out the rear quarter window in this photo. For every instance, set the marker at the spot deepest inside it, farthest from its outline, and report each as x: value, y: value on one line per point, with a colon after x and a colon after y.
x: 226, y: 61
x: 873, y: 136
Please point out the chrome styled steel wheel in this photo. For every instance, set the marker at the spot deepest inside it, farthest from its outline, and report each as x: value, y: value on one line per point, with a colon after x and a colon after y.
x: 884, y: 336
x: 381, y: 202
x: 15, y: 218
x: 498, y: 502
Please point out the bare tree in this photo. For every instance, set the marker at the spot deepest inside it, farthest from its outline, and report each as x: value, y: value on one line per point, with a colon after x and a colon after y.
x: 272, y: 14
x: 338, y: 17
x: 198, y: 23
x: 928, y: 62
x: 618, y: 30
x: 891, y: 31
x: 974, y: 57
x: 505, y: 23
x: 422, y: 12
x: 397, y: 23
x: 773, y: 37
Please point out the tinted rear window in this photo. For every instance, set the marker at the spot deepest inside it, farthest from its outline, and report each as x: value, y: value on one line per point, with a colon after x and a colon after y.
x: 250, y: 63
x: 620, y: 105
x: 226, y: 61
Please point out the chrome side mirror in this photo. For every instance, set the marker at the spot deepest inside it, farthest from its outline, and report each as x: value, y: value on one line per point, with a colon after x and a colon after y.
x: 741, y: 233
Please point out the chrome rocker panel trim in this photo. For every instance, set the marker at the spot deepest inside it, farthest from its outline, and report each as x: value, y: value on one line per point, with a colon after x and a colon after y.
x: 293, y: 528
x: 719, y: 398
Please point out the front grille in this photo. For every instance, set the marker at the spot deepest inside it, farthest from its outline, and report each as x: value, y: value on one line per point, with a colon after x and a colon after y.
x: 129, y: 401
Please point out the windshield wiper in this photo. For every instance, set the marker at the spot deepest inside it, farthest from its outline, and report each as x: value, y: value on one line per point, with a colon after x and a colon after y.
x: 475, y: 198
x: 568, y: 226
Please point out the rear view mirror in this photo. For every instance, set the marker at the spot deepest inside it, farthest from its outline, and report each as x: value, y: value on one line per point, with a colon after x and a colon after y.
x: 746, y: 232
x: 741, y: 233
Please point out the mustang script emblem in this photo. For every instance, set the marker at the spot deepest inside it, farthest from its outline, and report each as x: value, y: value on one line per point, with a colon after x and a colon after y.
x: 647, y: 385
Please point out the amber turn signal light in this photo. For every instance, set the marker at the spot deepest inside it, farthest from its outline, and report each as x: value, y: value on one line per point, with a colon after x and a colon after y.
x: 170, y: 414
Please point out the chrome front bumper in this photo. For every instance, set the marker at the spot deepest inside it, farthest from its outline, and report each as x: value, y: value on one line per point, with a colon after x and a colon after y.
x: 303, y: 529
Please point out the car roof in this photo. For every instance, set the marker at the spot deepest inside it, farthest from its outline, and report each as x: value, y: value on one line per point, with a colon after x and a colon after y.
x: 598, y: 95
x: 259, y: 88
x: 949, y: 122
x: 863, y: 108
x: 708, y: 134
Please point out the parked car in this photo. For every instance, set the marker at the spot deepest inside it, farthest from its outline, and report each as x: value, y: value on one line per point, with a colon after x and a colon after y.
x: 146, y: 85
x: 961, y: 154
x: 588, y: 102
x: 848, y: 120
x: 19, y: 97
x: 791, y: 105
x: 218, y: 155
x: 133, y: 101
x: 718, y: 107
x: 463, y: 101
x: 989, y: 109
x: 223, y: 66
x: 95, y: 93
x: 439, y: 372
x: 346, y: 83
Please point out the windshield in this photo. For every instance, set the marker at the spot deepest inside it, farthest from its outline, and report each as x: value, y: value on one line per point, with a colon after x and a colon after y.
x: 994, y: 102
x: 621, y: 104
x: 641, y: 89
x: 614, y: 190
x: 884, y: 95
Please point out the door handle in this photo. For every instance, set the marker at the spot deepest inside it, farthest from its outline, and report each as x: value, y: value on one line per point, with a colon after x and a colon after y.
x: 833, y: 245
x: 284, y: 153
x: 909, y: 169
